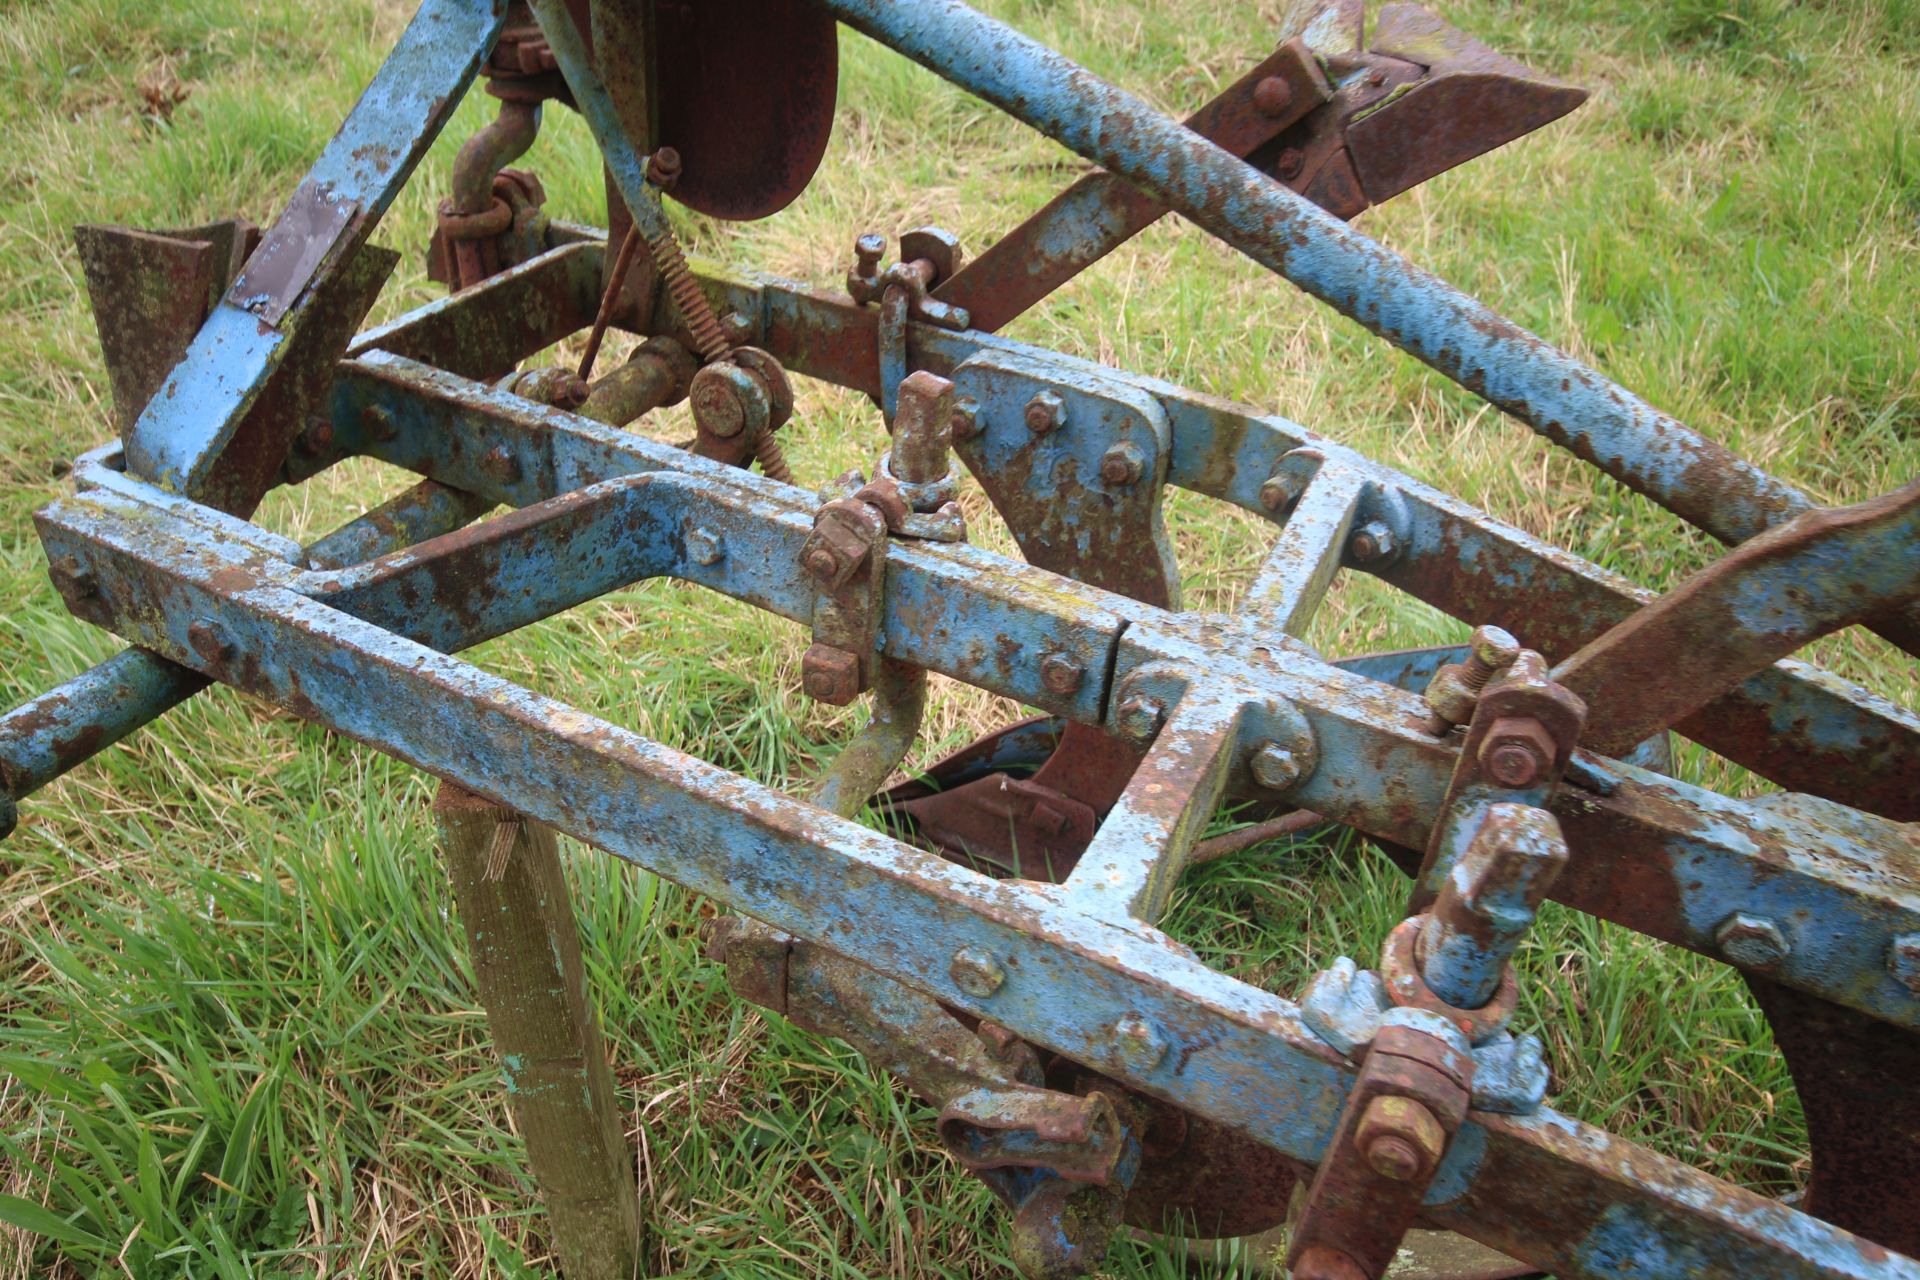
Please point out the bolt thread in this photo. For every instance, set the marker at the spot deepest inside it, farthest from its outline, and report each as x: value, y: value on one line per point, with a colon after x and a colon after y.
x: 708, y: 337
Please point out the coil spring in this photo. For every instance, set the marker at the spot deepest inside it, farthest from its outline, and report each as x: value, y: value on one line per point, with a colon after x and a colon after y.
x: 708, y: 338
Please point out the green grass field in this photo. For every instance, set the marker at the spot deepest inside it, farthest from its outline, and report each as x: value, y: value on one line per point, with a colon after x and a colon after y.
x: 239, y: 1036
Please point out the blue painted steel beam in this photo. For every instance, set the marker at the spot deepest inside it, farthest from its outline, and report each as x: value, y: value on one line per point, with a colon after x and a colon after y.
x: 1793, y: 723
x: 181, y: 434
x: 1233, y: 1053
x: 1694, y: 857
x: 1569, y: 403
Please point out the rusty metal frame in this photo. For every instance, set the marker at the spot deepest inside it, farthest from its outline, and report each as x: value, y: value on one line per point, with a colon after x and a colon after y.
x: 155, y: 547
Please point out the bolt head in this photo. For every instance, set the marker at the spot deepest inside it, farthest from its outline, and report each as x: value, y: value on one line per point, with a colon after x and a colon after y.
x: 1903, y: 961
x: 830, y: 675
x: 378, y: 420
x: 1292, y: 160
x: 1139, y: 716
x: 1062, y: 674
x: 1123, y: 464
x: 1400, y: 1138
x: 1493, y: 647
x: 976, y: 972
x: 1751, y: 940
x: 205, y: 638
x: 1045, y: 412
x: 1517, y: 751
x: 73, y: 580
x: 663, y: 168
x: 868, y: 248
x: 1281, y: 490
x: 728, y: 400
x: 500, y: 464
x: 1276, y: 767
x: 1373, y: 542
x: 1138, y: 1043
x: 966, y: 418
x: 1272, y: 96
x: 703, y: 546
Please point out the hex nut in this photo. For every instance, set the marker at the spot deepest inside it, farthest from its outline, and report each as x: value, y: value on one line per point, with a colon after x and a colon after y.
x: 704, y: 546
x: 1139, y: 716
x: 1373, y: 542
x: 1517, y: 751
x: 1123, y: 464
x: 1138, y: 1043
x: 1903, y: 961
x: 1046, y: 412
x: 1276, y: 767
x: 1400, y: 1138
x: 976, y: 972
x: 1752, y: 941
x: 1062, y: 674
x: 830, y: 675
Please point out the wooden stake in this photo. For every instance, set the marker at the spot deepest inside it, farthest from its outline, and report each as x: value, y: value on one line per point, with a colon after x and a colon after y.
x: 526, y: 960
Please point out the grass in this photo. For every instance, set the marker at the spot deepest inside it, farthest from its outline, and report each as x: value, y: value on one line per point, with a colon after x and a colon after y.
x: 239, y: 1036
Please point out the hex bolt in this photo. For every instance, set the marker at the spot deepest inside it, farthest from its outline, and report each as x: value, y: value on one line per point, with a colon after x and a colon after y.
x: 738, y: 328
x: 1062, y: 674
x: 1903, y: 961
x: 501, y: 465
x: 1455, y: 688
x: 1139, y: 716
x: 966, y: 418
x: 1754, y: 942
x: 976, y: 972
x: 1046, y: 412
x: 867, y: 252
x: 1272, y: 96
x: 1281, y: 490
x: 1372, y: 542
x: 1517, y: 751
x: 205, y: 638
x: 922, y: 427
x: 1123, y: 464
x: 1275, y: 767
x: 1488, y: 901
x: 830, y: 675
x: 704, y: 546
x: 728, y: 400
x: 1399, y: 1138
x: 663, y: 168
x: 1292, y: 160
x: 1138, y: 1043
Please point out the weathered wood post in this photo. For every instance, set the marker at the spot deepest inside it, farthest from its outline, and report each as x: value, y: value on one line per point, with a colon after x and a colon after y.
x: 526, y: 959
